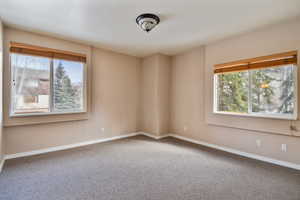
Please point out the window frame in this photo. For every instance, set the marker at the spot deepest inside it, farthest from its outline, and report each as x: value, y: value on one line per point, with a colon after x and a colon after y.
x: 12, y: 92
x: 293, y: 116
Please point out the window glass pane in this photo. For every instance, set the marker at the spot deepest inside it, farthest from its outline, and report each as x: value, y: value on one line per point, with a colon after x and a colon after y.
x: 272, y: 90
x: 68, y: 81
x: 232, y: 92
x: 31, y: 84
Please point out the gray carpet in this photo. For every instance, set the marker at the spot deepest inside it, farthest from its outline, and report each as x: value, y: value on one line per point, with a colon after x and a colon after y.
x: 140, y: 168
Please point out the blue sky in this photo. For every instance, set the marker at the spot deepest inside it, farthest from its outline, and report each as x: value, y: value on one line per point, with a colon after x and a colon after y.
x: 73, y: 69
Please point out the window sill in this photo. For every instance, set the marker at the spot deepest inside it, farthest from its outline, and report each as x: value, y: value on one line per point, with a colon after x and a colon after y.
x: 46, y: 114
x: 44, y: 118
x: 271, y: 116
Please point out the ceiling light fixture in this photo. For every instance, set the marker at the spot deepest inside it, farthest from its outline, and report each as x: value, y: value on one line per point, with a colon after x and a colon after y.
x: 147, y: 21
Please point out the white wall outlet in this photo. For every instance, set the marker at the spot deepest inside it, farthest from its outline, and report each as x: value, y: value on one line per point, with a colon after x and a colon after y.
x: 102, y: 129
x: 185, y: 128
x: 284, y: 147
x: 258, y: 143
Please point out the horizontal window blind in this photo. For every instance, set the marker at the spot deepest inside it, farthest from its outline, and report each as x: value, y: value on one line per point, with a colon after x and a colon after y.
x: 258, y: 62
x: 21, y: 48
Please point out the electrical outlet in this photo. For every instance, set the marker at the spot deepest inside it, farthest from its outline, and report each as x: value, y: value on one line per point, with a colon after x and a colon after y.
x: 258, y: 143
x: 284, y: 147
x: 293, y: 128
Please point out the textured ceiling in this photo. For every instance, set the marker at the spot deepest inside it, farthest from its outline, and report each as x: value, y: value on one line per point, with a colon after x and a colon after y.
x: 111, y: 24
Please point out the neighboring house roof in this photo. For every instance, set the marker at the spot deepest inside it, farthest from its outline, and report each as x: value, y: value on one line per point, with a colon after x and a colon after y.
x: 32, y: 81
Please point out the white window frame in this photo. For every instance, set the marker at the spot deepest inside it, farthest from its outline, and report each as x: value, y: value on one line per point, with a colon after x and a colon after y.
x: 12, y: 93
x: 293, y: 116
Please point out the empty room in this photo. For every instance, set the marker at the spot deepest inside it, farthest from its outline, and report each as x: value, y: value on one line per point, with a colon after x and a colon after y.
x: 149, y: 100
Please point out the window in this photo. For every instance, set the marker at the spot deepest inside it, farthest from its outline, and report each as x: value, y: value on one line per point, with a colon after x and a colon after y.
x: 45, y: 81
x: 264, y: 88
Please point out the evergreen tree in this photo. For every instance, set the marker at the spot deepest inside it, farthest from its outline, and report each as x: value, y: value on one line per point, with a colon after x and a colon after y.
x: 271, y: 89
x: 58, y: 86
x: 69, y: 93
x: 287, y: 91
x: 64, y: 94
x: 233, y: 92
x: 262, y: 92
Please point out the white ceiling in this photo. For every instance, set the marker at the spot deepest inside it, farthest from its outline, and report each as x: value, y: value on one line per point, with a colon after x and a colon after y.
x: 111, y: 24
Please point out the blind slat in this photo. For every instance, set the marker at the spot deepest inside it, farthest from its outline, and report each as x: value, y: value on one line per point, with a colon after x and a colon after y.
x: 46, y: 52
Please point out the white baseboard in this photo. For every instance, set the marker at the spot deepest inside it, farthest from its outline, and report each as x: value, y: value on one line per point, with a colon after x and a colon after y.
x: 64, y: 147
x: 154, y: 136
x: 241, y: 153
x: 230, y: 150
x: 70, y: 146
x: 1, y: 164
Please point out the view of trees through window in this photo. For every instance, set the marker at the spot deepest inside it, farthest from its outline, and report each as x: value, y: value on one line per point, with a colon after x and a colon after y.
x: 67, y: 84
x: 232, y: 92
x: 32, y: 79
x: 266, y: 91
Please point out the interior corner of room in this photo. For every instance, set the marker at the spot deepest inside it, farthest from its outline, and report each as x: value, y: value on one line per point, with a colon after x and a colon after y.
x: 158, y: 95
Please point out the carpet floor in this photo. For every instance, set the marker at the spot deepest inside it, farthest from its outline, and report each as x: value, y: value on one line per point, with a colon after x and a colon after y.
x: 139, y: 168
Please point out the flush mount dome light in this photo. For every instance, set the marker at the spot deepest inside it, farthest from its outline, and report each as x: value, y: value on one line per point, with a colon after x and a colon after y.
x: 147, y: 21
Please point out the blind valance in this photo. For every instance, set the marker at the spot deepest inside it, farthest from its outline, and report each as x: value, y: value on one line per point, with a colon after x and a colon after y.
x: 21, y: 48
x: 258, y: 62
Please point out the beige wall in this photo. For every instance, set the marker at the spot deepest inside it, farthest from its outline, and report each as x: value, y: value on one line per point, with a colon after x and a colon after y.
x: 1, y: 113
x: 114, y: 99
x: 148, y: 113
x: 163, y: 93
x: 192, y: 96
x: 155, y: 87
